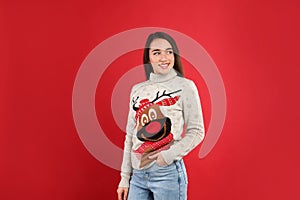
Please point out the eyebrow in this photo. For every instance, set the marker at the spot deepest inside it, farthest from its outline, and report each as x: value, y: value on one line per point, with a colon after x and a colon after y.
x: 160, y: 49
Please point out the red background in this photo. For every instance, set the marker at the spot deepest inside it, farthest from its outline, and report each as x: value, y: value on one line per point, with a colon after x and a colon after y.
x: 255, y: 45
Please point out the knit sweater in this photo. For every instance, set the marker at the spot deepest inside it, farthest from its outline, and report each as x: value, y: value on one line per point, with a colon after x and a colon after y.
x: 159, y: 109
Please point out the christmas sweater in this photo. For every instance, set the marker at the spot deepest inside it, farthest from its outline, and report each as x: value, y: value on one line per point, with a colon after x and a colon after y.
x: 159, y: 109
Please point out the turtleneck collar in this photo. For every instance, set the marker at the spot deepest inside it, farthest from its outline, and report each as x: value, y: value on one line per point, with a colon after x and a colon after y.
x: 162, y: 77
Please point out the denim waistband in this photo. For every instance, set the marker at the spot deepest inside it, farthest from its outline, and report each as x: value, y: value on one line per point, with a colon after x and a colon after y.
x: 179, y: 165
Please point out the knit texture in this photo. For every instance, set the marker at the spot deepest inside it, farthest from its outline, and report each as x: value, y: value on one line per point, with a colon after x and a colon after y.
x: 159, y: 109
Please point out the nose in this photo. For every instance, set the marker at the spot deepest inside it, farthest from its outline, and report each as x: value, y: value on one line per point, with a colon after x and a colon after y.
x: 153, y: 127
x: 163, y: 56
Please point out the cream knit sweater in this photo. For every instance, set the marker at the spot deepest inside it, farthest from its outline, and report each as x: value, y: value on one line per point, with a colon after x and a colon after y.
x: 169, y: 102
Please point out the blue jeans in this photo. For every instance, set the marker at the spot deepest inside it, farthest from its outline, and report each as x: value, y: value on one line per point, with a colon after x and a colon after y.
x: 159, y: 183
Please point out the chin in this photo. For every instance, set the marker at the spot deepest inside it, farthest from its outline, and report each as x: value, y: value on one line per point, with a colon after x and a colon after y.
x: 164, y: 71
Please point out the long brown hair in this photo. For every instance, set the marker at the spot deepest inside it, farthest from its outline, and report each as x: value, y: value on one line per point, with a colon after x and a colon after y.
x: 177, y: 63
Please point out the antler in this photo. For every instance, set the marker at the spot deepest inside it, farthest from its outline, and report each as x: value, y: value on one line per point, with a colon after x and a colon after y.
x: 163, y: 95
x: 134, y: 102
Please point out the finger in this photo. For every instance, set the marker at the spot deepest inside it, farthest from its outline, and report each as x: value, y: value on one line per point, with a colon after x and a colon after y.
x: 120, y: 193
x: 161, y: 163
x: 154, y: 156
x: 125, y: 194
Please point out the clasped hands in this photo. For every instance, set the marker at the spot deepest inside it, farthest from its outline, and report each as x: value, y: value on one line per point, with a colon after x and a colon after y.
x: 159, y: 159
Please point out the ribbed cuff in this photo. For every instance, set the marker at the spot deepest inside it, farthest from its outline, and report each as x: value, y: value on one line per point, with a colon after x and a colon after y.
x: 124, y: 183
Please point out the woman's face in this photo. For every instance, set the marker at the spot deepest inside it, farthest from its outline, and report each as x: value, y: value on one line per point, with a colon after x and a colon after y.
x: 161, y: 56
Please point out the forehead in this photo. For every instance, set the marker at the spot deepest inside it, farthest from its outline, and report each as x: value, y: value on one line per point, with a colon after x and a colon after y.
x: 160, y: 44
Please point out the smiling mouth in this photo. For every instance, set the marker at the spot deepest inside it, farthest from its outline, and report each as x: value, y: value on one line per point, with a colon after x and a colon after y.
x: 164, y: 65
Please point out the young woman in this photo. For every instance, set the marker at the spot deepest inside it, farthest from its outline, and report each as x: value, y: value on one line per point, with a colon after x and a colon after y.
x: 152, y: 167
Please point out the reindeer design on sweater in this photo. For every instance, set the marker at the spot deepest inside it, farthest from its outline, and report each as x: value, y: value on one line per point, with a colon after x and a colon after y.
x: 154, y: 129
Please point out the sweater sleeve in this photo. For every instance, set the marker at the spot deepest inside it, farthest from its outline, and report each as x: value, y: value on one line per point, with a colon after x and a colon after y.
x: 126, y: 167
x: 193, y: 118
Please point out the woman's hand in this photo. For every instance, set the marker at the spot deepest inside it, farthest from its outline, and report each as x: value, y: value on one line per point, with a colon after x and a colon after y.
x: 122, y: 193
x: 159, y: 159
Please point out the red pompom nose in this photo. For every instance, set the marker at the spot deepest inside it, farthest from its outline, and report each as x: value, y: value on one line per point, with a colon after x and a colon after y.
x: 153, y: 127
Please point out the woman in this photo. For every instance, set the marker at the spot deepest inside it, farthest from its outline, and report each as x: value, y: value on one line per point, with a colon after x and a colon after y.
x: 154, y: 144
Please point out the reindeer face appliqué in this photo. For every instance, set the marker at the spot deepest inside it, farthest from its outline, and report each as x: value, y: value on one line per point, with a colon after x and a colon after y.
x: 154, y: 129
x: 152, y: 124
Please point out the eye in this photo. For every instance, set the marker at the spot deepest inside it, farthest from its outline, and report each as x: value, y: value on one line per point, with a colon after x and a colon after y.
x: 156, y: 53
x: 152, y: 114
x: 144, y: 119
x: 170, y: 52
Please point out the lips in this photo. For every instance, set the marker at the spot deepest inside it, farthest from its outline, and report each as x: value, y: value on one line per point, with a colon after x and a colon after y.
x: 164, y: 65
